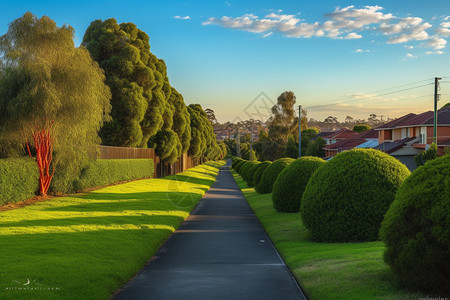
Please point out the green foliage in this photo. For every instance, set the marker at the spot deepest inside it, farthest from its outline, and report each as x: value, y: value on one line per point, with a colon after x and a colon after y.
x: 245, y: 152
x: 258, y: 174
x: 426, y: 155
x: 416, y: 229
x: 291, y: 183
x: 239, y: 165
x: 315, y: 148
x: 167, y: 145
x: 347, y: 198
x: 236, y: 160
x: 137, y: 78
x: 251, y: 172
x: 108, y: 171
x: 181, y: 120
x: 46, y: 82
x: 291, y: 149
x: 270, y: 175
x: 307, y: 136
x: 361, y: 128
x: 446, y: 105
x: 19, y: 179
x: 245, y: 170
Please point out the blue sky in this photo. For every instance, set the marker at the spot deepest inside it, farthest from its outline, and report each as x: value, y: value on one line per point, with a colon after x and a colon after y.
x: 339, y: 57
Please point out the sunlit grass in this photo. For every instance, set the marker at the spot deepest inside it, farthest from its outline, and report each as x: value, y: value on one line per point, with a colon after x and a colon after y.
x: 326, y: 270
x: 85, y: 246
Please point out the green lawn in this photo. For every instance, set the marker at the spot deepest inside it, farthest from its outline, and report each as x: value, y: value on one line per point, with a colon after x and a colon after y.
x: 325, y: 270
x: 85, y: 246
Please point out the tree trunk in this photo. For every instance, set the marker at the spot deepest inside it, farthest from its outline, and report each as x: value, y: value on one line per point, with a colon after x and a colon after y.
x: 43, y: 144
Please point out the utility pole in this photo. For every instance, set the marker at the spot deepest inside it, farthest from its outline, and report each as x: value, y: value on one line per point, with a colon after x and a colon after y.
x: 251, y: 143
x: 238, y: 142
x: 299, y: 131
x: 436, y: 99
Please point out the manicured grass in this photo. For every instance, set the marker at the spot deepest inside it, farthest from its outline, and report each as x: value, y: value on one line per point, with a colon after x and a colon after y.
x: 87, y: 246
x: 326, y: 270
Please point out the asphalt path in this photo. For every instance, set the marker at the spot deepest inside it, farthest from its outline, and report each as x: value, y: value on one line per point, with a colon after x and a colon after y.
x: 221, y: 251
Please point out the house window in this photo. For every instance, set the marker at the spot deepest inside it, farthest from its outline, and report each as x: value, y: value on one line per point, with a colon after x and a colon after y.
x: 404, y: 133
x: 423, y: 135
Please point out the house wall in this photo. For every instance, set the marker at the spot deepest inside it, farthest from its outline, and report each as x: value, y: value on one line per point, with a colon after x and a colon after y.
x: 396, y: 134
x: 329, y: 153
x: 442, y: 131
x: 384, y: 135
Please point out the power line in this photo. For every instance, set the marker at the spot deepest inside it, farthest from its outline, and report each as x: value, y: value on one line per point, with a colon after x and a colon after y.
x: 370, y: 97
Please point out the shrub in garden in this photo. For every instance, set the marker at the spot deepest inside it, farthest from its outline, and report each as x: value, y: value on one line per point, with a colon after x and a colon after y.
x: 270, y: 175
x: 251, y: 173
x: 19, y: 179
x: 235, y: 162
x: 346, y: 199
x: 259, y: 171
x: 240, y: 164
x: 107, y: 171
x: 246, y: 168
x: 243, y: 167
x: 291, y: 183
x: 416, y: 229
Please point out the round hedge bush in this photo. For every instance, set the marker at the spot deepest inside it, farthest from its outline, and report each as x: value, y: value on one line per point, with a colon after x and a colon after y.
x: 251, y: 173
x: 239, y: 165
x: 291, y: 183
x: 347, y: 198
x: 246, y: 169
x: 243, y: 168
x: 259, y: 172
x: 270, y: 175
x: 416, y: 229
x: 235, y: 162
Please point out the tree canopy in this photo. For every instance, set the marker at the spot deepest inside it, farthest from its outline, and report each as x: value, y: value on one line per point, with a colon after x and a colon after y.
x: 137, y: 78
x: 46, y: 83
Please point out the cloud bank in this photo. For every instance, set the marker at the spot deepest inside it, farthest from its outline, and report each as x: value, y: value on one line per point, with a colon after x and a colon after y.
x: 343, y: 23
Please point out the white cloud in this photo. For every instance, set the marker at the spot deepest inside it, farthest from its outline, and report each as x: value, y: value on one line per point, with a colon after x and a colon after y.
x: 267, y: 34
x: 434, y: 52
x: 409, y: 55
x: 436, y: 42
x: 182, y: 18
x: 343, y: 23
x: 409, y: 47
x: 361, y: 51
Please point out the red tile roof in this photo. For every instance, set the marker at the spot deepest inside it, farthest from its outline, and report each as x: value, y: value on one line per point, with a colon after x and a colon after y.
x: 343, y: 133
x: 368, y: 134
x: 423, y: 119
x: 394, y: 123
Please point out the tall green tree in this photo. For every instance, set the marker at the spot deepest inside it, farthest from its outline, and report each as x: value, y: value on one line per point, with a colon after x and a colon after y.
x: 51, y: 89
x: 137, y: 78
x: 181, y: 120
x: 291, y: 149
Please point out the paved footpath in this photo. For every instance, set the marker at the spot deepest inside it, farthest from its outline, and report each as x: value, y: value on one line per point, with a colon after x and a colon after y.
x: 221, y: 251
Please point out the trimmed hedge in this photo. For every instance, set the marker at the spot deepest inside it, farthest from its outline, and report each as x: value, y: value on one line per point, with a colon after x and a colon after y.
x: 347, y: 198
x: 259, y: 172
x: 291, y: 183
x: 108, y: 171
x: 271, y: 173
x: 244, y: 169
x: 235, y: 162
x: 239, y: 165
x: 250, y: 170
x: 19, y: 179
x: 416, y: 229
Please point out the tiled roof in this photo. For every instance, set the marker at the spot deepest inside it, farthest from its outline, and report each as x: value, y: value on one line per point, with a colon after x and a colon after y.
x: 345, y: 144
x: 390, y: 147
x: 368, y: 134
x: 443, y: 117
x: 323, y: 134
x: 343, y: 133
x: 396, y: 122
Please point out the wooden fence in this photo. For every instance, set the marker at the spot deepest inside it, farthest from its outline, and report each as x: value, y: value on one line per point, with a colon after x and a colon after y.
x: 161, y: 169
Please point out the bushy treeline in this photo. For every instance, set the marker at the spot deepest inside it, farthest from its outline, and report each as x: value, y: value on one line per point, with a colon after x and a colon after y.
x: 365, y: 195
x: 58, y: 101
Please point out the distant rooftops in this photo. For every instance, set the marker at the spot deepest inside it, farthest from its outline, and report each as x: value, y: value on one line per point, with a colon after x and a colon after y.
x: 423, y: 119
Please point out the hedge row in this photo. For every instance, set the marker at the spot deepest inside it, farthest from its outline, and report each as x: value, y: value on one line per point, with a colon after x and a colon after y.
x: 108, y: 171
x: 19, y: 179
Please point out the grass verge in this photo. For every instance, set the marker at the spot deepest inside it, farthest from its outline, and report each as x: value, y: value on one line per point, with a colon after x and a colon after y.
x: 85, y: 246
x: 326, y: 270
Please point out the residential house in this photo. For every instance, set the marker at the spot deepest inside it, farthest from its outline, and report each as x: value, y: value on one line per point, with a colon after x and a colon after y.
x: 346, y: 140
x: 411, y: 134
